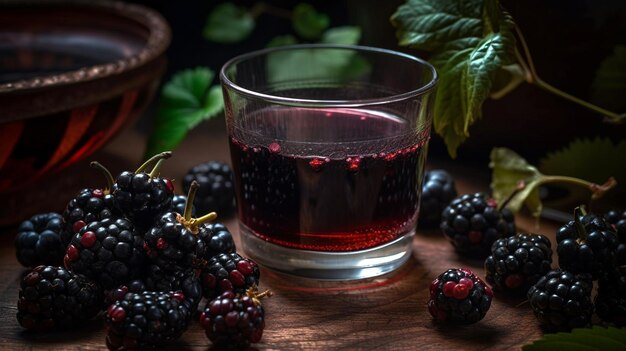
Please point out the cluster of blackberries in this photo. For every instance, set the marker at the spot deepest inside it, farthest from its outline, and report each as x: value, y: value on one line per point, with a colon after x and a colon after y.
x: 561, y: 299
x: 138, y: 252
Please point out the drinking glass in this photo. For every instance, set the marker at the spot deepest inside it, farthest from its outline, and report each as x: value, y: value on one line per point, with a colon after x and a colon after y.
x: 328, y: 145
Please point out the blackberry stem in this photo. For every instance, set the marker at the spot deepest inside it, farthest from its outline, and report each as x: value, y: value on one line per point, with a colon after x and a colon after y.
x: 582, y: 232
x: 191, y: 195
x: 159, y: 156
x: 157, y: 169
x: 107, y: 174
x: 521, y: 185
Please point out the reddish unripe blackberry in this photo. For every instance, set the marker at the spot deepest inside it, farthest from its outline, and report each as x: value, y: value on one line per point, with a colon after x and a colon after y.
x: 178, y: 241
x: 518, y: 262
x: 144, y: 196
x: 228, y: 272
x: 473, y: 222
x: 610, y: 302
x: 51, y: 297
x: 459, y: 296
x: 147, y: 319
x: 586, y: 245
x: 108, y: 251
x: 234, y: 321
x: 561, y: 300
x: 617, y: 220
x: 38, y: 240
x: 216, y: 193
x: 437, y: 192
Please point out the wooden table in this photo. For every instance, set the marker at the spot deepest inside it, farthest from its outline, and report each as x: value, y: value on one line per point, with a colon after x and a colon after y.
x: 383, y: 313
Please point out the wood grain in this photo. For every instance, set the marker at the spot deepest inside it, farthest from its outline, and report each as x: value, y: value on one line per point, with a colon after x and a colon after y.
x: 387, y: 313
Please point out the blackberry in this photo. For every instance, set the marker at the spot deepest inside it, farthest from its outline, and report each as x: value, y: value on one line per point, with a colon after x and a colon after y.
x: 617, y: 220
x: 88, y: 206
x: 38, y: 240
x: 144, y: 196
x: 219, y: 241
x: 473, y: 222
x: 147, y: 319
x: 234, y: 321
x: 459, y: 296
x: 437, y: 192
x: 517, y: 263
x: 610, y: 302
x: 179, y: 242
x: 228, y: 272
x: 586, y: 245
x: 561, y: 300
x: 187, y: 281
x: 216, y: 193
x: 51, y: 297
x: 108, y: 251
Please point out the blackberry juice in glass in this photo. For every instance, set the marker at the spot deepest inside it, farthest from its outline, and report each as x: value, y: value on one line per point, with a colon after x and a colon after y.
x: 328, y: 146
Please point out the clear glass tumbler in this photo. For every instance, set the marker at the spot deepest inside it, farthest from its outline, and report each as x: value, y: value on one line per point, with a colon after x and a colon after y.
x: 328, y: 145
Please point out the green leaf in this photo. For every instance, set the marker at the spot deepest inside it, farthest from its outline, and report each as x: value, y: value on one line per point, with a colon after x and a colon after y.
x: 346, y: 35
x: 186, y: 100
x: 307, y: 22
x: 228, y: 23
x: 509, y: 169
x: 470, y: 41
x: 282, y: 40
x: 595, y: 160
x: 608, y: 89
x: 593, y: 339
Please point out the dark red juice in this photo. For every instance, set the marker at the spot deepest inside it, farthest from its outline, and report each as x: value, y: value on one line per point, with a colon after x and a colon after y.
x: 327, y: 180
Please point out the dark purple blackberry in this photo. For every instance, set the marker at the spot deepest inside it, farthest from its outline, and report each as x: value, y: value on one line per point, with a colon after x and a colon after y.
x: 38, y: 240
x: 178, y: 241
x: 51, y: 297
x: 562, y: 301
x: 234, y: 321
x: 518, y: 262
x: 437, y: 192
x: 108, y: 251
x: 586, y: 245
x: 156, y: 279
x: 219, y: 241
x: 610, y: 302
x: 617, y: 220
x: 228, y: 272
x: 473, y: 222
x: 459, y: 296
x: 88, y: 206
x: 216, y: 193
x: 144, y: 196
x: 147, y: 320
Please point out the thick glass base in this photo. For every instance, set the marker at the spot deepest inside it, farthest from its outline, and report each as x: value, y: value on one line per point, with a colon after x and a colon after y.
x: 323, y: 265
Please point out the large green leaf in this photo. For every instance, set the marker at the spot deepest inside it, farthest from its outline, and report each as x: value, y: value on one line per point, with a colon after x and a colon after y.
x: 309, y: 23
x: 228, y: 23
x: 593, y: 339
x: 186, y: 100
x: 470, y: 41
x: 509, y: 169
x: 609, y: 85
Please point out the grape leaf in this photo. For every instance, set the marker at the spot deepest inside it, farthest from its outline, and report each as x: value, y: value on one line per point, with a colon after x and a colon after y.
x: 595, y: 160
x: 594, y: 339
x: 186, y: 100
x: 307, y: 22
x: 509, y: 169
x: 609, y: 85
x: 470, y: 42
x: 228, y: 23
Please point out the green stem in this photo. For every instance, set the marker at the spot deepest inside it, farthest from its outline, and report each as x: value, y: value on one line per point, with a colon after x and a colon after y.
x: 529, y: 68
x: 191, y: 195
x: 580, y: 228
x: 162, y: 155
x: 612, y: 117
x: 105, y: 171
x: 597, y: 189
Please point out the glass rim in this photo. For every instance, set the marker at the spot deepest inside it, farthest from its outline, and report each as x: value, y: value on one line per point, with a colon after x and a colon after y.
x: 302, y: 102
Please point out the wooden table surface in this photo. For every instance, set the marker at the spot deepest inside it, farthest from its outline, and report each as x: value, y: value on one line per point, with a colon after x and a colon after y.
x: 382, y: 313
